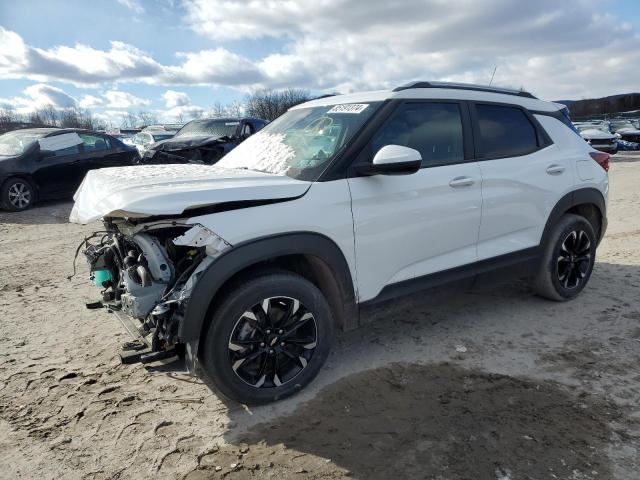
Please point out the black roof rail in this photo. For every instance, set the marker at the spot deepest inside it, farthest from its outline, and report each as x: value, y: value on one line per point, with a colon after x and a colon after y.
x: 464, y: 86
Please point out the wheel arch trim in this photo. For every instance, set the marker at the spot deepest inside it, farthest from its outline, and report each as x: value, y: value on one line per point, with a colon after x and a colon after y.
x: 583, y: 196
x: 252, y: 252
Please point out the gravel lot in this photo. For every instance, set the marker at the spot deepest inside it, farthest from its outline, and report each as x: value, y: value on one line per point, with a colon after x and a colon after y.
x: 489, y: 382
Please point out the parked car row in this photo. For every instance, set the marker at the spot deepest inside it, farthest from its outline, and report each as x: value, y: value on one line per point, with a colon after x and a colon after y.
x: 610, y: 135
x: 48, y: 163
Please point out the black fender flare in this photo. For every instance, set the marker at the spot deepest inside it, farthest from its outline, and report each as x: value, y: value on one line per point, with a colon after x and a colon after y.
x: 583, y: 196
x: 252, y: 252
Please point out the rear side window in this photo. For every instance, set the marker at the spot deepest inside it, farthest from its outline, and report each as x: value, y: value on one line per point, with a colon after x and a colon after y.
x: 505, y: 132
x: 94, y: 143
x: 434, y: 129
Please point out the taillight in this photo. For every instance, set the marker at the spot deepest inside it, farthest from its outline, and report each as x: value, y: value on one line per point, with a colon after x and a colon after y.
x: 602, y: 159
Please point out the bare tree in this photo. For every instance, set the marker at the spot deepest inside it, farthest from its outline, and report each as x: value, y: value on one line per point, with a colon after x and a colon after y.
x: 75, y: 118
x: 7, y: 115
x: 270, y: 104
x: 147, y: 118
x: 216, y: 111
x: 129, y: 120
x: 49, y: 115
x: 235, y: 109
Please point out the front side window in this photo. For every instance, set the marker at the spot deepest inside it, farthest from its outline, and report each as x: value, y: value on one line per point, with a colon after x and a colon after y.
x: 505, y: 132
x: 93, y: 143
x: 302, y: 142
x: 434, y: 129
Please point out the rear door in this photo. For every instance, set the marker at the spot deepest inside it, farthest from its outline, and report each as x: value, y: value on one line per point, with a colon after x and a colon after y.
x: 407, y: 226
x: 56, y: 173
x: 100, y: 152
x: 523, y: 177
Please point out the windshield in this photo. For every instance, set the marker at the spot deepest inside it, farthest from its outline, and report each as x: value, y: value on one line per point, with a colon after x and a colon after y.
x: 302, y: 142
x: 213, y: 128
x: 17, y: 142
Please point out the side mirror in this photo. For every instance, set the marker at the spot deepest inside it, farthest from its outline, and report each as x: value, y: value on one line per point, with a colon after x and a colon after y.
x: 392, y: 160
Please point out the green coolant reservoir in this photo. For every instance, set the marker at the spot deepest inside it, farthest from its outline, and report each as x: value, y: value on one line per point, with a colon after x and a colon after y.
x: 100, y: 276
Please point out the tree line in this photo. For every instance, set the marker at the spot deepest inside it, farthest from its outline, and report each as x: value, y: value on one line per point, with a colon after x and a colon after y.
x: 607, y: 105
x: 265, y: 103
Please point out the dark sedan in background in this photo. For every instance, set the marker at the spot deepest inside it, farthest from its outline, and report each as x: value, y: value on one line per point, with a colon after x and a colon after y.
x: 203, y: 141
x: 47, y: 163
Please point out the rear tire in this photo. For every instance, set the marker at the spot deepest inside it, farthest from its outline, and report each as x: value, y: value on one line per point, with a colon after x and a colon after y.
x: 17, y: 194
x: 268, y: 339
x: 568, y: 259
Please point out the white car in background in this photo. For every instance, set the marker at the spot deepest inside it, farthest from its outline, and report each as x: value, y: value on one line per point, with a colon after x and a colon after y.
x: 598, y: 136
x: 150, y: 135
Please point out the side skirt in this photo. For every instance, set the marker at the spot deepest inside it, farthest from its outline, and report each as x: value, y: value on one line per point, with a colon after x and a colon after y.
x: 523, y: 260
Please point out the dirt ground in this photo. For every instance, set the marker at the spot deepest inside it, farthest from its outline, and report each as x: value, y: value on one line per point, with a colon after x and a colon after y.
x: 490, y: 382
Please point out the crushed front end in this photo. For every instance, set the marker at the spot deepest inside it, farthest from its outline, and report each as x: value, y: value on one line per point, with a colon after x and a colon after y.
x: 146, y: 273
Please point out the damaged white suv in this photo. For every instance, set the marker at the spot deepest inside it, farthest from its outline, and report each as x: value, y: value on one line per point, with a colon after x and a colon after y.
x: 246, y: 268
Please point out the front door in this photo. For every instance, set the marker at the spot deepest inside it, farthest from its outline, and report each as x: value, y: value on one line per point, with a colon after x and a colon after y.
x: 407, y: 226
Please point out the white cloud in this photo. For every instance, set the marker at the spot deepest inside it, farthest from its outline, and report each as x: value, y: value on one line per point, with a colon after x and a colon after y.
x: 554, y: 49
x: 176, y: 99
x: 38, y: 96
x: 345, y: 46
x: 120, y: 99
x: 219, y: 66
x: 90, y: 101
x: 42, y: 94
x: 132, y: 5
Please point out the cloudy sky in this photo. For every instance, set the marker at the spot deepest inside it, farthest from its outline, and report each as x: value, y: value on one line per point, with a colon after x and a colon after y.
x: 180, y: 57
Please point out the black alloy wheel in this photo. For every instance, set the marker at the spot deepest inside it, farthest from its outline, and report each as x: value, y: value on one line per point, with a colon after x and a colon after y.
x: 267, y: 338
x: 574, y: 259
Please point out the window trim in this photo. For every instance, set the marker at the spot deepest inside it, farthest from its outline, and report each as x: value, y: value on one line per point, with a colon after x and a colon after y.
x: 467, y: 140
x: 542, y: 137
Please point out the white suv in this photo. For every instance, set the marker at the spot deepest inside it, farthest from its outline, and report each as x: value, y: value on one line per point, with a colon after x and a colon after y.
x: 247, y: 267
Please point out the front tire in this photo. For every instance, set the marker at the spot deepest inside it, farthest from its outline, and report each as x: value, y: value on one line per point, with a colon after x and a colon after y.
x: 268, y: 339
x: 17, y: 194
x: 568, y: 259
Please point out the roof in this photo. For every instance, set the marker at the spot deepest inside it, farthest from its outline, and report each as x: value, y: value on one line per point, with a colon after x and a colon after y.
x: 443, y: 91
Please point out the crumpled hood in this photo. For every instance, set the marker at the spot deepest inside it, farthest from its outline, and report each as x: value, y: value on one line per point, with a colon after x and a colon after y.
x: 596, y: 134
x: 147, y: 190
x: 184, y: 141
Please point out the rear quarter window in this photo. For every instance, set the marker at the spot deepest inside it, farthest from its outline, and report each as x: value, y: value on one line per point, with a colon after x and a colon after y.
x: 504, y: 132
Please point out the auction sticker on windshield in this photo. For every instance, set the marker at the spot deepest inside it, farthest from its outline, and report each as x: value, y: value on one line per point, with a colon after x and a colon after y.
x: 349, y: 108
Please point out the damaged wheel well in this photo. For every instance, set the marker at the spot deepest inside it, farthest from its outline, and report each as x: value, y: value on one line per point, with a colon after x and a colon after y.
x: 317, y: 259
x: 313, y: 268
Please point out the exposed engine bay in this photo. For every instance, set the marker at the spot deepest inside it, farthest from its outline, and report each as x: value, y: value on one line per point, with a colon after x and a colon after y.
x: 146, y: 271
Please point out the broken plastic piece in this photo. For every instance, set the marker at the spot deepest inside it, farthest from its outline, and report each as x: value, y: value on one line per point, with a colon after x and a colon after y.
x: 200, y: 236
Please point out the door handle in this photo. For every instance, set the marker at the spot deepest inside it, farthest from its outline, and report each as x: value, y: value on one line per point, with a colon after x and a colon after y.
x: 555, y: 169
x: 461, y: 182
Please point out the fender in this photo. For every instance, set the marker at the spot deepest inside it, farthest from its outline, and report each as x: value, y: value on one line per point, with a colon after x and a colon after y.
x: 572, y: 199
x: 251, y: 252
